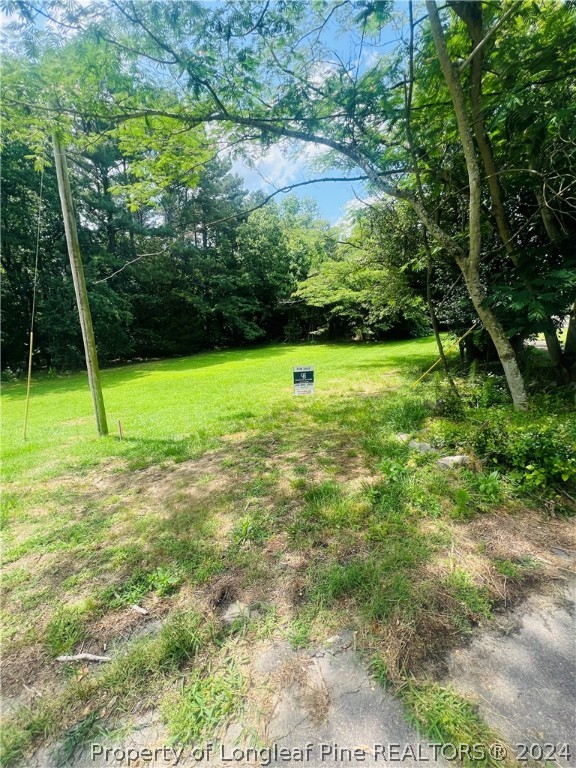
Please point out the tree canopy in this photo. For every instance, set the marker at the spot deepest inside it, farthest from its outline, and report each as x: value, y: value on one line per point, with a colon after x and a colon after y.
x: 462, y: 116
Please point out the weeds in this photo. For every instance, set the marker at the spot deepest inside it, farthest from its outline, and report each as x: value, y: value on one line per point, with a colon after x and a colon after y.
x: 449, y: 719
x: 67, y: 629
x: 162, y: 581
x: 205, y: 704
x: 76, y: 737
x: 472, y: 603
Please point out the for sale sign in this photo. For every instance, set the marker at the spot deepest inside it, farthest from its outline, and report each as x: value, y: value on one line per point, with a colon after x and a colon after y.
x: 303, y: 379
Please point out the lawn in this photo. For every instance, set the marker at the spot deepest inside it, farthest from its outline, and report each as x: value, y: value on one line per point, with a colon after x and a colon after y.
x: 176, y: 408
x: 303, y: 515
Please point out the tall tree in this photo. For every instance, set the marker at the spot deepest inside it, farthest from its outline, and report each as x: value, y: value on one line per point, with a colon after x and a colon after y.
x: 254, y: 70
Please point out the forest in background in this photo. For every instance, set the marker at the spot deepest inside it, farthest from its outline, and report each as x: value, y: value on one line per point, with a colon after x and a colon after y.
x: 462, y: 131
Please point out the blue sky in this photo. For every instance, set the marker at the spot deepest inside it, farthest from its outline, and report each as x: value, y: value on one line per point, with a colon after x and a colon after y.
x: 283, y: 165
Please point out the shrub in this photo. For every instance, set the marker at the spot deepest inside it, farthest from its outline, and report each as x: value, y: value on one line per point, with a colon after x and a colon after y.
x: 537, y: 450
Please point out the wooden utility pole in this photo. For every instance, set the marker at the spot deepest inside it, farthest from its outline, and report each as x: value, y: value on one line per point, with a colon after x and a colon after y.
x: 79, y: 282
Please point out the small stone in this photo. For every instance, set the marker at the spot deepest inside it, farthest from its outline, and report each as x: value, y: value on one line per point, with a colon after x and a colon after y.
x: 403, y: 437
x: 422, y: 447
x: 449, y: 462
x: 235, y: 611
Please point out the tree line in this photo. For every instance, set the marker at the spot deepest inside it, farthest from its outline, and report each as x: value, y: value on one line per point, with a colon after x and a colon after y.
x: 191, y: 272
x: 460, y: 120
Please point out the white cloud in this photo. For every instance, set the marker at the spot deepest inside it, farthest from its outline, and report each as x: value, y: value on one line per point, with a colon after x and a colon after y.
x: 346, y: 223
x: 280, y: 165
x: 321, y: 71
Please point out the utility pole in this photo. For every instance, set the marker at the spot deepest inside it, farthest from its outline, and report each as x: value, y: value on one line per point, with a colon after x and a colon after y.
x: 79, y: 282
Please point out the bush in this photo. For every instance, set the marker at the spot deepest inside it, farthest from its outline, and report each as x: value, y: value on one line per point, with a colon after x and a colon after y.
x: 536, y: 449
x: 537, y: 454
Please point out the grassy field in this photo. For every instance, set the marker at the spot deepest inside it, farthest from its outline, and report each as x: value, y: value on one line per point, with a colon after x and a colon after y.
x: 311, y: 513
x: 176, y: 408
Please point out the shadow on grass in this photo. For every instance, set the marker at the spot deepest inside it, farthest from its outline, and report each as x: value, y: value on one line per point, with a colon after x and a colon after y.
x: 143, y: 452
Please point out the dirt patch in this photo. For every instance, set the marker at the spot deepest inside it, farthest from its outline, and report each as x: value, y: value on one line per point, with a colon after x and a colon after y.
x: 28, y: 669
x: 527, y: 535
x: 225, y: 590
x: 543, y: 551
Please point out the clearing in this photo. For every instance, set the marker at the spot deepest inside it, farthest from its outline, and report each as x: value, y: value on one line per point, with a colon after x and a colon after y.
x: 259, y: 532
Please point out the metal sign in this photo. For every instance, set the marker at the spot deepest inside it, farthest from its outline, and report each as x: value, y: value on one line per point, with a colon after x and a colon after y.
x: 303, y: 379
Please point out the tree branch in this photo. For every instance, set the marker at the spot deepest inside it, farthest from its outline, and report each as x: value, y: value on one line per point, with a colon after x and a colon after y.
x: 489, y: 34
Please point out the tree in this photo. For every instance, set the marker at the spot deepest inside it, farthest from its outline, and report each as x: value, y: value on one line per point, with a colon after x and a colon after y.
x: 254, y: 71
x: 373, y: 282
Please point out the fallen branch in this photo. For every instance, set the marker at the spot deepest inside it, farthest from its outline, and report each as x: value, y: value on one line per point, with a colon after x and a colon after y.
x: 84, y: 657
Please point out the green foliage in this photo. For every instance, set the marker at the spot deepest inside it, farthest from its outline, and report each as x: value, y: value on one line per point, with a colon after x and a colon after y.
x: 130, y: 675
x: 148, y: 83
x: 536, y: 449
x: 364, y: 285
x: 162, y: 581
x: 381, y: 583
x: 404, y: 411
x: 393, y: 470
x: 182, y: 273
x: 448, y: 718
x: 206, y: 703
x: 508, y: 568
x: 489, y: 485
x: 464, y: 508
x: 538, y: 454
x: 251, y: 527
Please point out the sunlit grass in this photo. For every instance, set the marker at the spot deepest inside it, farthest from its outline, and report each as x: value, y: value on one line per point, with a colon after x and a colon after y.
x: 174, y: 409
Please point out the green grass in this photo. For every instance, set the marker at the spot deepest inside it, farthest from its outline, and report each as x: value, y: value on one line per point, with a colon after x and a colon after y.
x: 448, y: 718
x: 309, y: 509
x: 66, y: 629
x: 174, y: 409
x: 205, y: 704
x: 145, y: 667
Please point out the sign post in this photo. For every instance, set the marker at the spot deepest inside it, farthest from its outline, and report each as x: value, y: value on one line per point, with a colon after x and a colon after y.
x: 303, y: 379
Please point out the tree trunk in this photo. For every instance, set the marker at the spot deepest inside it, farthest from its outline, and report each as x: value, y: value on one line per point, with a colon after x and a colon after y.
x: 434, y: 319
x: 471, y: 14
x: 570, y: 343
x: 498, y: 336
x: 470, y: 264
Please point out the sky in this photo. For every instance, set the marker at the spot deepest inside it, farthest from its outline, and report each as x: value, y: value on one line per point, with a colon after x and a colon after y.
x: 283, y: 164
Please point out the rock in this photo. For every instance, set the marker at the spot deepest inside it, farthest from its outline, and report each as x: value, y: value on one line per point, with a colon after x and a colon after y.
x: 449, y: 462
x: 235, y: 611
x: 403, y: 437
x: 422, y: 447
